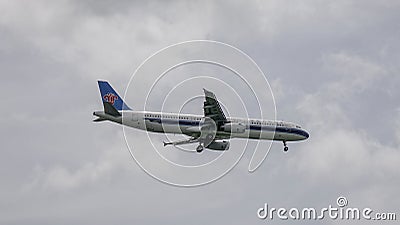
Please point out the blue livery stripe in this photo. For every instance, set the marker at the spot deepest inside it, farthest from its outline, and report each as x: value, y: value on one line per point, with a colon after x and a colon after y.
x: 252, y: 127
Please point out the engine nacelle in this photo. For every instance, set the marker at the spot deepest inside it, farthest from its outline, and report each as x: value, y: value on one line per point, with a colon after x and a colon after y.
x: 234, y: 128
x: 219, y: 145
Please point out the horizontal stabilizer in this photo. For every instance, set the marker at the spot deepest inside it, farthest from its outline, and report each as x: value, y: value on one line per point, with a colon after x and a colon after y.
x: 110, y: 109
x: 99, y: 120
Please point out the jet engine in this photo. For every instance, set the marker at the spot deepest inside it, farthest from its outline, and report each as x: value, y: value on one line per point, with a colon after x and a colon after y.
x: 219, y: 145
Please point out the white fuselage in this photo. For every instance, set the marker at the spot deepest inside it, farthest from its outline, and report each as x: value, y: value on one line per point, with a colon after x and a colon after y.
x: 187, y: 124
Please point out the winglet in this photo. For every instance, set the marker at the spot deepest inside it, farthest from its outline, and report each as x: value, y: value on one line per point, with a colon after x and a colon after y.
x: 209, y: 94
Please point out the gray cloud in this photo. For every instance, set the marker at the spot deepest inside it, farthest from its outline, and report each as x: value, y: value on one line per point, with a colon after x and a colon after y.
x: 333, y: 67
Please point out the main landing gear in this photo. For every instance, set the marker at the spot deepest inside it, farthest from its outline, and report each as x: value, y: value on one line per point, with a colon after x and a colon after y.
x: 285, y: 147
x: 199, y: 148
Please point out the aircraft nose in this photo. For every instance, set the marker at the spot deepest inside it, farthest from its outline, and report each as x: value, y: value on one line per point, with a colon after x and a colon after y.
x: 305, y: 134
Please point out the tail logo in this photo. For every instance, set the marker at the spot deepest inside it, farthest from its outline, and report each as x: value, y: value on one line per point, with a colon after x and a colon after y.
x: 110, y: 97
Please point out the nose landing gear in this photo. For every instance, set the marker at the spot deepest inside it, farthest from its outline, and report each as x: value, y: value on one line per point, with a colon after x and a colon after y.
x: 285, y: 147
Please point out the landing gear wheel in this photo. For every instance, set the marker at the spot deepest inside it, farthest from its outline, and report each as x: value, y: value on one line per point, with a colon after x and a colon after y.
x: 285, y: 148
x: 199, y: 148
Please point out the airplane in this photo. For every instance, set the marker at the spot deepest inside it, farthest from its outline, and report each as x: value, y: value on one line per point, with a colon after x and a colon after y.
x: 212, y: 130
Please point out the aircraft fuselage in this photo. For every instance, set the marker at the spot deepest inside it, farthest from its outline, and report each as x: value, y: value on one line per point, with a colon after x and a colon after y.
x: 188, y: 123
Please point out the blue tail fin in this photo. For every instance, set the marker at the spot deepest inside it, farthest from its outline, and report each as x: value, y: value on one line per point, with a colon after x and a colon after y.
x: 108, y: 94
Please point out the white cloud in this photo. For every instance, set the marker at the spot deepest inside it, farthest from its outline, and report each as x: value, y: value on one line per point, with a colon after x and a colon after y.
x: 352, y: 73
x: 397, y: 125
x: 100, y: 169
x: 338, y: 150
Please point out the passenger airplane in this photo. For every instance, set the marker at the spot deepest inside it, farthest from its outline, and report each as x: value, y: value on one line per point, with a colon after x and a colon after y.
x: 209, y: 130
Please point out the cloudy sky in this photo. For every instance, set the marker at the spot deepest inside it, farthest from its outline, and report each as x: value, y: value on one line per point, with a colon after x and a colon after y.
x: 333, y: 67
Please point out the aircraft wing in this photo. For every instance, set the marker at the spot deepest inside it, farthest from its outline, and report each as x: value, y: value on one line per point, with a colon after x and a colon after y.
x: 212, y: 109
x: 206, y: 133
